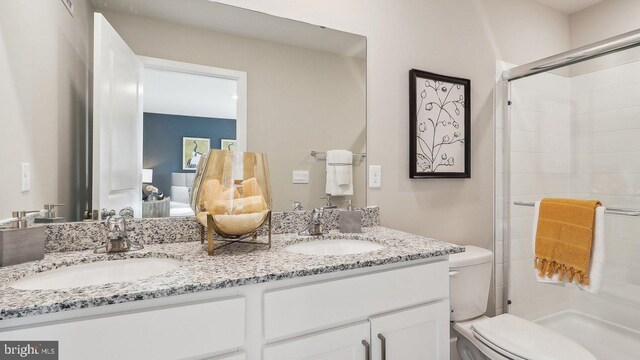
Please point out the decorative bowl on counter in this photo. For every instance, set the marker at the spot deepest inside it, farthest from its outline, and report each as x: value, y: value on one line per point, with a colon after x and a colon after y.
x: 231, y: 195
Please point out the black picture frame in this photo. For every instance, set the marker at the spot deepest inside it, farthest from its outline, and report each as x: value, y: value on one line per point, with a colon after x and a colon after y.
x: 425, y: 162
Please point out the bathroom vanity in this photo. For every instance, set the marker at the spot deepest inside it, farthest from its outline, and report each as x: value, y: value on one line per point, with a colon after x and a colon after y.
x: 245, y: 302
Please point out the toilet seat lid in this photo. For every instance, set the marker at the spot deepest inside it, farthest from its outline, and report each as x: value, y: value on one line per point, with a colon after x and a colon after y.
x: 521, y: 339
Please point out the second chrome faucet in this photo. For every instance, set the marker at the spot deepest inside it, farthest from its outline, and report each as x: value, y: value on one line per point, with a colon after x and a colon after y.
x: 117, y: 236
x: 316, y: 225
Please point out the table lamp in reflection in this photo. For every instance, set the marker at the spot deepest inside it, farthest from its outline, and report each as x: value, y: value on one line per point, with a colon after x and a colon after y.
x: 147, y: 176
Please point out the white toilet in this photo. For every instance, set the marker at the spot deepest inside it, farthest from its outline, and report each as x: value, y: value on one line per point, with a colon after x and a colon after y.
x: 504, y: 336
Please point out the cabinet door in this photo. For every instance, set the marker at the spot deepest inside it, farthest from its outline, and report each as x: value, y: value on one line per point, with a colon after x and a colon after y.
x: 414, y: 334
x: 338, y: 344
x: 167, y: 333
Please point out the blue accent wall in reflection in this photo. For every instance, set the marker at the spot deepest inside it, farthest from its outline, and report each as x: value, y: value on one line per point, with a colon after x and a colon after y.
x: 162, y: 142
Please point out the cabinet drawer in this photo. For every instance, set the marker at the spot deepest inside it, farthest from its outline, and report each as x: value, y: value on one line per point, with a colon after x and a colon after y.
x: 336, y: 344
x: 298, y: 310
x: 169, y: 333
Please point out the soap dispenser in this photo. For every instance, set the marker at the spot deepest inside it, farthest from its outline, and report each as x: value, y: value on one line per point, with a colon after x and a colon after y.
x: 20, y: 243
x: 350, y: 220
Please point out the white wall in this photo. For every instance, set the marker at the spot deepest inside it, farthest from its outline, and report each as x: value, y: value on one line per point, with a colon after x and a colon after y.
x: 604, y: 20
x: 45, y: 67
x: 179, y: 93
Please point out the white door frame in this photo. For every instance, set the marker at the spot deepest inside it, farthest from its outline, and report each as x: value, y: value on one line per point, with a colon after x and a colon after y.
x: 239, y: 76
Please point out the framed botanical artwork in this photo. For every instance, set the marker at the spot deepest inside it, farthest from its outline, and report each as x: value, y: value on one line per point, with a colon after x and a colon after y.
x: 228, y: 144
x: 440, y: 126
x: 192, y: 151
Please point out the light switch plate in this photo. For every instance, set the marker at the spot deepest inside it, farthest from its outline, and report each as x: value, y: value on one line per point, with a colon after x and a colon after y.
x: 375, y: 176
x: 26, y: 177
x: 300, y: 177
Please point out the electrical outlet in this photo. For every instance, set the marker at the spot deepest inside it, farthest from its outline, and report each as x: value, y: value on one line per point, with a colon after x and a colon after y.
x: 26, y: 177
x: 375, y: 176
x: 300, y: 177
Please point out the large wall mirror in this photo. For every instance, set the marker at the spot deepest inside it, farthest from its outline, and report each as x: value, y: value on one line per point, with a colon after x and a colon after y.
x: 170, y: 79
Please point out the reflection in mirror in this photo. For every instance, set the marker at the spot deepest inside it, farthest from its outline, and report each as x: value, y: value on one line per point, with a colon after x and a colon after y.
x: 172, y: 79
x: 185, y: 114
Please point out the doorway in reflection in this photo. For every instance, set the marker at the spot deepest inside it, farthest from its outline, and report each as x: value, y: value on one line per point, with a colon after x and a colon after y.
x: 185, y: 115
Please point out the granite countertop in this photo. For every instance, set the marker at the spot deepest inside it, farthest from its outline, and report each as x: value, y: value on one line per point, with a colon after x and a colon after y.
x: 233, y: 265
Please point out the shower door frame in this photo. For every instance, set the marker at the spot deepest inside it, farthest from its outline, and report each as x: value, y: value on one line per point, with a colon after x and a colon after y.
x: 615, y: 44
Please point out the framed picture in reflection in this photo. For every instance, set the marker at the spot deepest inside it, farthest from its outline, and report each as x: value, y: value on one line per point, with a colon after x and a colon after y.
x: 228, y: 144
x: 192, y: 151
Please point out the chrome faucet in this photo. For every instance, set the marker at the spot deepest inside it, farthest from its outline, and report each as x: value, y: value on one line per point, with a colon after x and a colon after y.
x: 127, y: 213
x: 328, y: 204
x: 297, y: 206
x: 316, y: 225
x: 50, y: 210
x: 117, y: 237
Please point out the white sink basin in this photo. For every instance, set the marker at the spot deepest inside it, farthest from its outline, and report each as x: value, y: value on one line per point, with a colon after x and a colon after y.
x: 333, y: 247
x: 96, y: 273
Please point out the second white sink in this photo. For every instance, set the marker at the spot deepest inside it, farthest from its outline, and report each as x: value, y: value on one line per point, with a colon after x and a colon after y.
x: 334, y: 247
x: 96, y: 273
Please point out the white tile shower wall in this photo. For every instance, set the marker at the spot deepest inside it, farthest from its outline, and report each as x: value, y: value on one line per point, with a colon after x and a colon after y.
x: 605, y: 166
x: 540, y: 166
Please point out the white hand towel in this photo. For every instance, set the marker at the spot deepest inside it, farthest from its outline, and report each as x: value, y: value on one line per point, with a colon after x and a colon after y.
x: 339, y: 168
x: 598, y: 254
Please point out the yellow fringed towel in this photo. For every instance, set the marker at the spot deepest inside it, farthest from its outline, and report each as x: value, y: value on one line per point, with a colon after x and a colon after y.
x: 565, y: 238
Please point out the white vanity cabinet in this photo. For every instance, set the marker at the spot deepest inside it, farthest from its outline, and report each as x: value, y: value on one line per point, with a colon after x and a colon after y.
x: 417, y: 333
x: 406, y: 309
x: 178, y: 332
x: 400, y: 310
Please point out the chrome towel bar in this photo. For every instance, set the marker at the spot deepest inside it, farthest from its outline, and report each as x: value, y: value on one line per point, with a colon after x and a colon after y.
x: 320, y: 155
x: 616, y: 211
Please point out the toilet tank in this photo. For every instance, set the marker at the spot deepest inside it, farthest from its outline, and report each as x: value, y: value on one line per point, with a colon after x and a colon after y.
x: 469, y: 281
